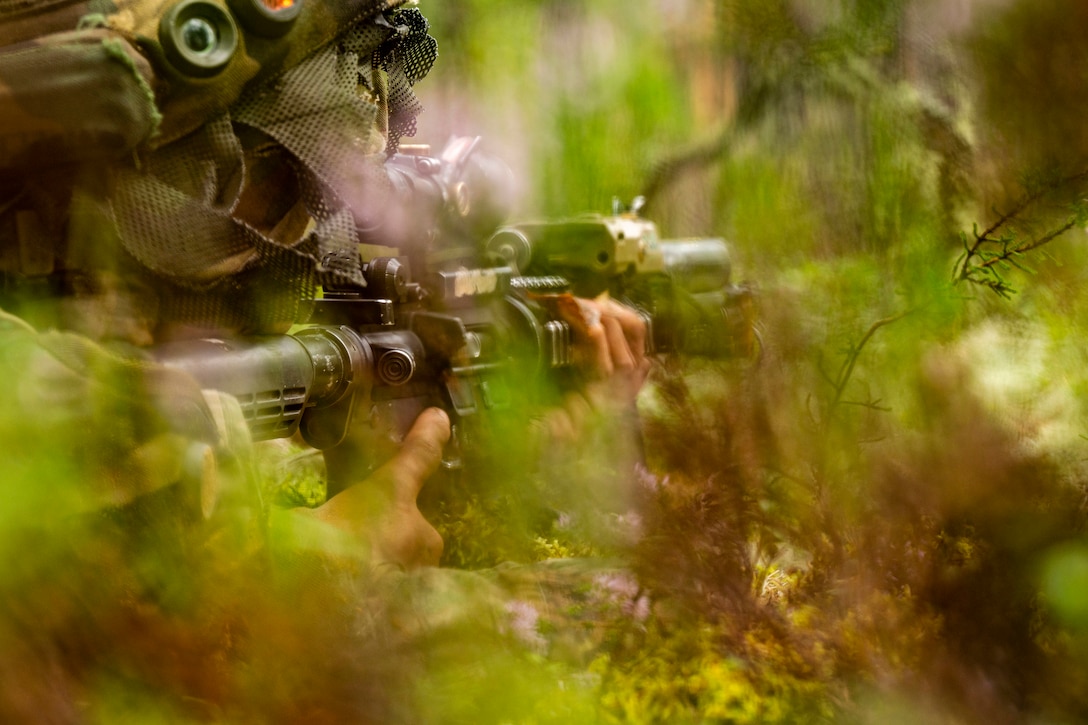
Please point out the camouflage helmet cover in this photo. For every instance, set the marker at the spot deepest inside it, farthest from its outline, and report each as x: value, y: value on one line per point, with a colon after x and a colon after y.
x: 326, y: 111
x: 133, y: 30
x: 188, y: 100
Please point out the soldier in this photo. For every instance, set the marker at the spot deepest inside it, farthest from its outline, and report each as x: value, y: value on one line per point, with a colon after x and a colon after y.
x: 174, y: 168
x: 170, y: 169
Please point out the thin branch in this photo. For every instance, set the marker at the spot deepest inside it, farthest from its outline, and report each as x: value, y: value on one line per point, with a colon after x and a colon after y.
x: 1005, y: 255
x: 1016, y: 210
x: 696, y: 157
x: 848, y: 365
x: 871, y: 405
x: 966, y: 266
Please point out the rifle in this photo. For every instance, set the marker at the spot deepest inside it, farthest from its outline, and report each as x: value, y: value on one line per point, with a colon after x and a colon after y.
x: 457, y: 315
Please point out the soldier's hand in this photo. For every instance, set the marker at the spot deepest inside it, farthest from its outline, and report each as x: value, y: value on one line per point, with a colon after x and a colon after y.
x: 614, y: 348
x: 610, y: 349
x: 592, y: 441
x: 382, y: 513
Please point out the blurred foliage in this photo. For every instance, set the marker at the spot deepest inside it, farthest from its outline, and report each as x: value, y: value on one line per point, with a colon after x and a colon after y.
x: 883, y: 520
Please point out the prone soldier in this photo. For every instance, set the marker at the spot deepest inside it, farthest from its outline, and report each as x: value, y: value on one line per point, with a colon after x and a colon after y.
x: 181, y: 169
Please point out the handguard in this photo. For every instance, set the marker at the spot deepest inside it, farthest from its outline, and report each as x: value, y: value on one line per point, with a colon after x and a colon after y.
x: 681, y: 287
x: 285, y: 383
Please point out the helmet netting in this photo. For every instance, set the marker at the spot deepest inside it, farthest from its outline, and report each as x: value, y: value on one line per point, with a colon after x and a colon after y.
x: 177, y: 216
x: 407, y: 57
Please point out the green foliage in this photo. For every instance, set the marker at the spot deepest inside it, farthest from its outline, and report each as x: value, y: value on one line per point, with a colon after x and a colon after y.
x: 480, y: 533
x: 1065, y: 584
x: 681, y: 675
x: 893, y: 491
x: 292, y: 475
x: 551, y: 85
x: 509, y: 687
x: 881, y: 521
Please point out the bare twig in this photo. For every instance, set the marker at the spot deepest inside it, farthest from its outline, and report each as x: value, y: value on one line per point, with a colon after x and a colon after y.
x: 696, y: 157
x: 871, y: 405
x: 847, y: 369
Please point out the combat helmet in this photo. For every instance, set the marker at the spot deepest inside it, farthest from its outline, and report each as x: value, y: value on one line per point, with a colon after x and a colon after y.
x: 237, y: 145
